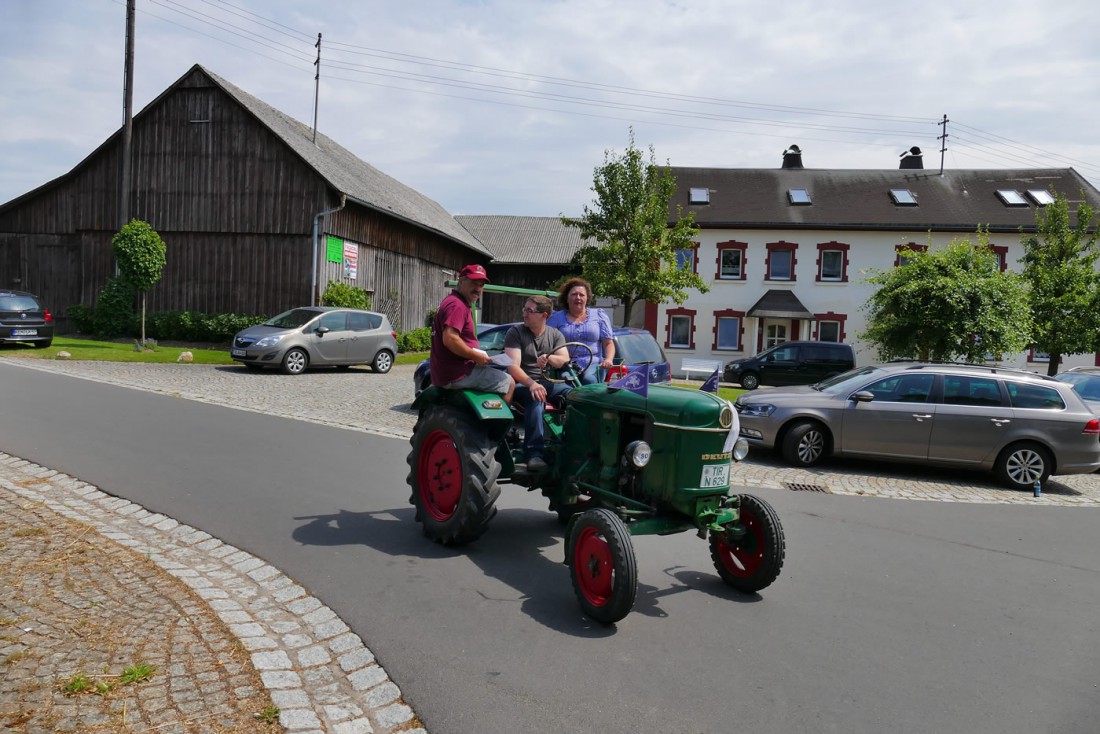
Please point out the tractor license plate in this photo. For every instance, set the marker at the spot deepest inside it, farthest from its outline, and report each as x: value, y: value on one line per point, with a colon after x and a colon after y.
x: 24, y: 332
x: 237, y: 352
x: 715, y: 475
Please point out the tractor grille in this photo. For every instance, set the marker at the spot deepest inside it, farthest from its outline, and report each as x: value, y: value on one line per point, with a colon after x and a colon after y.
x: 796, y: 487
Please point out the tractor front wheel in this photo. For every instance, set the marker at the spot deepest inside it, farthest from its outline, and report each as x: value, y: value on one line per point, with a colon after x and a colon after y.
x: 453, y: 475
x: 752, y: 561
x: 602, y: 565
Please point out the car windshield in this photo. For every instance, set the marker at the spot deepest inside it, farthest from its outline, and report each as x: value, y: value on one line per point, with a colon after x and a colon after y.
x: 292, y: 319
x: 17, y: 303
x: 846, y: 381
x: 637, y: 348
x: 1087, y: 386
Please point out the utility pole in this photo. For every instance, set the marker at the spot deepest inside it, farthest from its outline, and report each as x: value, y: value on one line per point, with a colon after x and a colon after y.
x: 127, y: 119
x: 316, y: 87
x: 943, y: 146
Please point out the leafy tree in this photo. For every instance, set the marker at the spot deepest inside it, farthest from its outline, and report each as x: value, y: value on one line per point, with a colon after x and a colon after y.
x: 946, y: 305
x: 140, y: 254
x: 1060, y: 266
x: 634, y: 258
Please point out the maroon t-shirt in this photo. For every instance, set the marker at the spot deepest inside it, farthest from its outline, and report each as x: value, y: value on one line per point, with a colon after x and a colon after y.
x: 446, y: 366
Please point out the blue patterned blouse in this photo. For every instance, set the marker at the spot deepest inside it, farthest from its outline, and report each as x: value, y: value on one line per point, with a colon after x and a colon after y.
x: 595, y: 328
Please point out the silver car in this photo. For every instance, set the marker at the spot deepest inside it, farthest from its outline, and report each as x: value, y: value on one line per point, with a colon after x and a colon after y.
x: 317, y: 336
x: 1020, y: 425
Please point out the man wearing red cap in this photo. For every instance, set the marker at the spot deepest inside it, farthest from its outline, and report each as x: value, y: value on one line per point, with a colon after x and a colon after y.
x: 455, y: 361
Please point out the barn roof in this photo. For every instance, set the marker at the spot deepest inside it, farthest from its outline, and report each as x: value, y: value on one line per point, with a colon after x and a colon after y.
x: 348, y: 174
x: 522, y: 240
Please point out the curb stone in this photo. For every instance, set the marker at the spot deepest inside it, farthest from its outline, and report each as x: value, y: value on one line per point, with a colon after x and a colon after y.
x: 315, y: 669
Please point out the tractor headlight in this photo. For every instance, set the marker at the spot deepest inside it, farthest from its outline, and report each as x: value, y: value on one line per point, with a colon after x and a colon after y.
x: 725, y: 418
x: 638, y: 453
x: 740, y: 449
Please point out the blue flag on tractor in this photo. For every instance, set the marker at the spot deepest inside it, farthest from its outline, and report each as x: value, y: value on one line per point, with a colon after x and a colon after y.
x: 636, y: 380
x: 711, y: 385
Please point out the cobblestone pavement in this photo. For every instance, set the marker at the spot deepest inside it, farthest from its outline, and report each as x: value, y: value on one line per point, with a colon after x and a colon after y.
x: 222, y: 625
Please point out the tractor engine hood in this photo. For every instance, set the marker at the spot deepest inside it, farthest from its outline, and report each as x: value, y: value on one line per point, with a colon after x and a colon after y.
x: 668, y: 405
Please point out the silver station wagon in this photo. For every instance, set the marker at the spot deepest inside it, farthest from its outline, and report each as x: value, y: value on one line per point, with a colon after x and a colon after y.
x: 1020, y: 425
x: 317, y: 336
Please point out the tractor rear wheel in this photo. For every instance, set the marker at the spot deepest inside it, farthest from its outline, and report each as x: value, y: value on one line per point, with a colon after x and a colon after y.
x: 753, y: 561
x: 453, y: 475
x: 602, y: 565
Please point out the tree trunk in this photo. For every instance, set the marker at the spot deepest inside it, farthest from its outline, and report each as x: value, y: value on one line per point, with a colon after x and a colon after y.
x: 1052, y: 365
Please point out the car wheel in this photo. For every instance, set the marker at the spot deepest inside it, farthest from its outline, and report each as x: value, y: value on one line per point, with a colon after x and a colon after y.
x: 382, y: 362
x: 750, y: 381
x: 602, y: 565
x: 1021, y: 465
x: 453, y: 475
x: 751, y: 561
x: 805, y: 444
x: 295, y: 361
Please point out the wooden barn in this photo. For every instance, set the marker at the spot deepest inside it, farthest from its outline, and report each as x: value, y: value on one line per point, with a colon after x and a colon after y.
x: 255, y: 215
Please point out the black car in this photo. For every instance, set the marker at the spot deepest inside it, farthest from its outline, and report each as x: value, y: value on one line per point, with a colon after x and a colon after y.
x: 632, y: 347
x: 23, y: 318
x: 791, y: 363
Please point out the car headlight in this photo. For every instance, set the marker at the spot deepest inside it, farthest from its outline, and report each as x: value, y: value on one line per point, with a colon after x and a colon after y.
x: 269, y: 341
x: 740, y: 449
x: 757, y: 410
x: 638, y: 453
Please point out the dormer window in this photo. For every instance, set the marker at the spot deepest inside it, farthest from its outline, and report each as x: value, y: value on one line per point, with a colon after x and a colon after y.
x: 699, y: 196
x: 1011, y: 197
x: 1041, y: 197
x: 903, y: 197
x: 799, y: 197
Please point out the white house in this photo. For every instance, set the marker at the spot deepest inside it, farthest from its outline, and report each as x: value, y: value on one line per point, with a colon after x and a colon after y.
x: 786, y: 251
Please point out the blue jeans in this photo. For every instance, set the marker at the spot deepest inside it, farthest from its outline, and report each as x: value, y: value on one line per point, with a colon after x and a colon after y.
x: 534, y: 430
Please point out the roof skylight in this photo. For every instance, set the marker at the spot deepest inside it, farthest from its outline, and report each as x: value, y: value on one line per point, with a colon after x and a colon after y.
x: 799, y: 197
x: 1011, y: 197
x: 1041, y: 197
x: 903, y: 197
x: 699, y: 196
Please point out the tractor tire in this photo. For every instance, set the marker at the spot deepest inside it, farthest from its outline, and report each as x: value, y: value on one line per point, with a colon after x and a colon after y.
x: 602, y: 566
x: 805, y: 444
x: 753, y: 561
x: 453, y: 475
x: 295, y: 361
x: 750, y: 381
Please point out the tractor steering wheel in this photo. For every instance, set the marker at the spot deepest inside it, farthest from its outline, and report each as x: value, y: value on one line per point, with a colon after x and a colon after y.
x: 571, y: 365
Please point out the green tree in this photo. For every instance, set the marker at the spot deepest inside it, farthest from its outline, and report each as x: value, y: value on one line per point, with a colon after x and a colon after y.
x: 1060, y: 266
x: 948, y: 304
x: 634, y: 255
x: 140, y: 254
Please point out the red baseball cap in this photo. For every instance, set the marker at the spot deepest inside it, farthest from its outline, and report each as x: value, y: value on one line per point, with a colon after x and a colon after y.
x: 474, y: 272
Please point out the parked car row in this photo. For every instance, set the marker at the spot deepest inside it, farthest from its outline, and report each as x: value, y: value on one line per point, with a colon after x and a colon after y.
x: 1020, y: 425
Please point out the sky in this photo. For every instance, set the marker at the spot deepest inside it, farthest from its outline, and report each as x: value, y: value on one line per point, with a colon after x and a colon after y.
x: 507, y: 106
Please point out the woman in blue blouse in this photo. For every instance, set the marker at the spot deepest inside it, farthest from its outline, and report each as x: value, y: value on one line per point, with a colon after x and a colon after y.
x: 579, y: 323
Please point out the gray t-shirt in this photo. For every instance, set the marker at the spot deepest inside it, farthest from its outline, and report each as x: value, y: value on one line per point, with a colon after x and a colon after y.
x: 531, y: 347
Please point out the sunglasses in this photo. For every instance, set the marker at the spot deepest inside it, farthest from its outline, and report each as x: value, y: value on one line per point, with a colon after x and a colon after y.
x: 531, y: 310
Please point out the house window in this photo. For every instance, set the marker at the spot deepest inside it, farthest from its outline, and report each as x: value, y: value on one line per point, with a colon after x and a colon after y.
x: 832, y: 262
x: 699, y: 196
x: 1011, y: 197
x: 799, y: 197
x: 1034, y: 356
x: 903, y: 252
x: 731, y: 261
x: 688, y: 258
x: 774, y: 335
x: 680, y: 329
x: 1041, y: 197
x: 1000, y: 256
x: 903, y: 197
x: 829, y: 327
x: 781, y: 260
x: 727, y: 329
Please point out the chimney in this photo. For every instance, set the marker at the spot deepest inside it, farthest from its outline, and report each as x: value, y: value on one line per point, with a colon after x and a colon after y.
x: 912, y: 159
x: 792, y: 157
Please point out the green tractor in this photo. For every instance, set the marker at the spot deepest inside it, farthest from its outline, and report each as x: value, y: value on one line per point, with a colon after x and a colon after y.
x: 619, y: 464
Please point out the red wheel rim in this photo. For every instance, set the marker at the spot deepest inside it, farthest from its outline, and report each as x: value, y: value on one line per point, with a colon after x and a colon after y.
x: 593, y: 566
x: 439, y: 475
x: 743, y: 556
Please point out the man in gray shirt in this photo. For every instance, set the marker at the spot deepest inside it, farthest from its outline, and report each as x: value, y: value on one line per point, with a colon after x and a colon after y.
x: 533, y: 346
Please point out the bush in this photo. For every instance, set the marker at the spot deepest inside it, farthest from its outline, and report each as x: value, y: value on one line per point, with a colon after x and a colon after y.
x: 417, y: 340
x: 345, y: 296
x: 81, y: 318
x: 114, y: 312
x: 195, y: 326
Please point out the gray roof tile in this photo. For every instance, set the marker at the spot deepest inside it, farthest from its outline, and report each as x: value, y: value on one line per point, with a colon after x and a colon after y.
x: 519, y: 240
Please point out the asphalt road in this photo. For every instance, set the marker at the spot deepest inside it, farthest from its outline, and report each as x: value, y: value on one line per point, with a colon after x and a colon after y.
x: 890, y: 616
